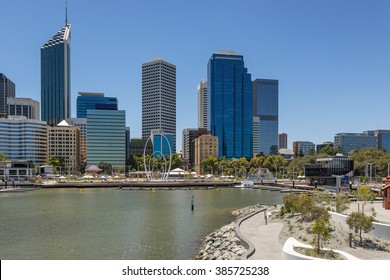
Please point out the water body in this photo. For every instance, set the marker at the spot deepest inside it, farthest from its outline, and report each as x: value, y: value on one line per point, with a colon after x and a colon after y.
x: 110, y: 224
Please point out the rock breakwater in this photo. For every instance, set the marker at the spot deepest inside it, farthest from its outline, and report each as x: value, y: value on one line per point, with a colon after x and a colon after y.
x: 224, y: 244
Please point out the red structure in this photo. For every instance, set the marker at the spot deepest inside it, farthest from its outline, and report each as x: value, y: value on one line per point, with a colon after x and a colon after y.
x: 386, y: 192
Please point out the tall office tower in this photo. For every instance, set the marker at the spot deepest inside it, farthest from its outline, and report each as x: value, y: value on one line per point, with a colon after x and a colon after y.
x: 64, y: 143
x: 23, y: 107
x: 81, y: 123
x: 159, y: 98
x: 7, y: 89
x: 106, y: 137
x: 94, y: 100
x: 202, y: 104
x: 189, y: 135
x: 23, y: 139
x: 265, y: 116
x: 230, y: 104
x: 283, y: 141
x: 55, y: 77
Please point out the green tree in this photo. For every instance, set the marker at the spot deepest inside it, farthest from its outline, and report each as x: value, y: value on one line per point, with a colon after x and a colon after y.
x: 342, y: 203
x: 291, y: 203
x: 364, y: 194
x: 2, y: 157
x: 330, y: 150
x: 105, y: 167
x: 360, y: 223
x: 56, y: 163
x: 177, y: 161
x: 320, y: 230
x: 210, y: 165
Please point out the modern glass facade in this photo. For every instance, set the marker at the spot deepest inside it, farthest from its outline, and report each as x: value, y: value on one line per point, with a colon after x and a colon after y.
x: 159, y: 98
x: 230, y: 104
x: 7, y: 89
x: 383, y: 138
x: 325, y: 170
x: 353, y: 141
x: 106, y: 137
x: 94, y: 101
x: 162, y: 144
x: 24, y: 139
x: 265, y: 112
x: 55, y: 77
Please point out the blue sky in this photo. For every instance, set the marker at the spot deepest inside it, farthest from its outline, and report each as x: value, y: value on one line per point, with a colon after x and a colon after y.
x: 331, y: 57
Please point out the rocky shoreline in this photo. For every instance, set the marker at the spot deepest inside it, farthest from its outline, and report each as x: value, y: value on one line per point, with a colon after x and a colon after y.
x: 224, y: 244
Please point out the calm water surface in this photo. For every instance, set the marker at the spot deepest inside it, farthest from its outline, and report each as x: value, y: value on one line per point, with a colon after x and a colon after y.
x: 111, y: 224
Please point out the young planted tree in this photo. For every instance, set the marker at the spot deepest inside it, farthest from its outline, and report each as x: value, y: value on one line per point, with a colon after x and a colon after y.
x: 291, y: 203
x: 360, y: 223
x: 342, y: 203
x: 320, y: 230
x: 364, y: 194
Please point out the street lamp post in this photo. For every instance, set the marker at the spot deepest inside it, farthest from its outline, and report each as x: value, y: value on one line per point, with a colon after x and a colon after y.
x: 388, y: 169
x: 369, y: 164
x: 294, y: 175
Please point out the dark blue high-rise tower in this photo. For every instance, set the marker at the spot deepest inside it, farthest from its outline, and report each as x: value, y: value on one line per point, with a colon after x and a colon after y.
x: 265, y: 116
x: 55, y: 77
x: 94, y: 101
x: 230, y: 104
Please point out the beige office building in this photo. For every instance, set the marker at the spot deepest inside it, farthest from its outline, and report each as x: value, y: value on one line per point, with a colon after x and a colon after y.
x: 64, y: 143
x: 205, y: 146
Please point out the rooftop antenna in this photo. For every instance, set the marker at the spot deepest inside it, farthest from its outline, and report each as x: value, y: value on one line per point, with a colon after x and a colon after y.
x: 66, y: 13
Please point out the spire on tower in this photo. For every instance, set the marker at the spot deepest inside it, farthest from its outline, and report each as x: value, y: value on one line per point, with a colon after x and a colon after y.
x: 66, y: 13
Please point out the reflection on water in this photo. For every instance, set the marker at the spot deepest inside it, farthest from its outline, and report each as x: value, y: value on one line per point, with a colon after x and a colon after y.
x: 111, y: 224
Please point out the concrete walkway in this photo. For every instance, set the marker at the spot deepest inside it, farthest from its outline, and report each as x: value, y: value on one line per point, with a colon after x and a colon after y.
x: 265, y: 238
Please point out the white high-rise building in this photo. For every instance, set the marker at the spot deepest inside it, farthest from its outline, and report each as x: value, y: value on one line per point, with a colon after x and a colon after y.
x: 202, y: 104
x: 159, y: 97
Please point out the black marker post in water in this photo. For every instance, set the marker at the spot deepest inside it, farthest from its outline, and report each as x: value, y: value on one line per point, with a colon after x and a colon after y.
x: 192, y: 203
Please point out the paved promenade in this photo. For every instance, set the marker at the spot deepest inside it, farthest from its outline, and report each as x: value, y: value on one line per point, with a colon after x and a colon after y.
x: 265, y: 238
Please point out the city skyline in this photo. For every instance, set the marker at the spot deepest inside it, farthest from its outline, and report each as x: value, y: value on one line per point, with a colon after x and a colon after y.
x: 330, y: 58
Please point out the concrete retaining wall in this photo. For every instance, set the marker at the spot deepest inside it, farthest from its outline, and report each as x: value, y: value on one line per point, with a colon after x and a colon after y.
x: 288, y: 252
x: 380, y: 230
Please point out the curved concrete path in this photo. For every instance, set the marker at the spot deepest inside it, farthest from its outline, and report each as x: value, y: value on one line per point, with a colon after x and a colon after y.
x: 264, y: 237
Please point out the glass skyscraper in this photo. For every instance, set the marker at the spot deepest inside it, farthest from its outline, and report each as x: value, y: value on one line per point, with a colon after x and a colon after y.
x: 7, y: 90
x: 93, y: 100
x: 106, y: 137
x: 55, y: 77
x: 230, y: 104
x: 265, y: 116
